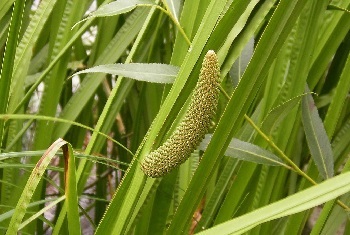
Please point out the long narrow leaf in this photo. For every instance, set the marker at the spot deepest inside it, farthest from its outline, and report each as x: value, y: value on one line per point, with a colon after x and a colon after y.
x: 31, y: 185
x: 317, y: 138
x: 158, y: 73
x: 118, y: 7
x: 9, y: 58
x: 301, y: 201
x: 42, y: 211
x: 51, y: 201
x: 247, y: 152
x: 71, y: 191
x: 112, y: 52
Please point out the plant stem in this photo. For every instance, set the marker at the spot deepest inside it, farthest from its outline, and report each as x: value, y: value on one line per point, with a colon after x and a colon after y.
x: 172, y: 18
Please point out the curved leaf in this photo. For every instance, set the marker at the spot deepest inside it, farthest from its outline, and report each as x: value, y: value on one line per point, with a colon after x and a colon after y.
x: 317, y: 139
x: 159, y: 73
x: 247, y: 152
x: 31, y: 185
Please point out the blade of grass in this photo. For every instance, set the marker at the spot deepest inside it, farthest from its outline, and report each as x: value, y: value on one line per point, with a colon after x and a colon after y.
x: 42, y: 211
x: 31, y: 185
x: 338, y: 101
x: 9, y: 213
x: 301, y: 201
x: 9, y: 58
x: 21, y: 64
x: 158, y: 73
x: 74, y: 226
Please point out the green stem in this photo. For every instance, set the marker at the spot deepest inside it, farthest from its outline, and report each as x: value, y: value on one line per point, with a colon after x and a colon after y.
x: 224, y: 92
x: 172, y: 18
x: 279, y: 151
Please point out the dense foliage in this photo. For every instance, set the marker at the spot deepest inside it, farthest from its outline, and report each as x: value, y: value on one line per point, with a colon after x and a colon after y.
x: 275, y: 155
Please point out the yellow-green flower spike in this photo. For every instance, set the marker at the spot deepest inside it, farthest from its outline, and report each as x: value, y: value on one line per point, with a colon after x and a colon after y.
x: 193, y: 127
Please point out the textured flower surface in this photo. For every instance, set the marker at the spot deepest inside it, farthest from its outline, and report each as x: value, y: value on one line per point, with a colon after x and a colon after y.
x: 192, y: 129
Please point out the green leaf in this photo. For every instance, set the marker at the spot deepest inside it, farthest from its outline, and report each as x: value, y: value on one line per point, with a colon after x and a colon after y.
x: 49, y: 202
x: 341, y: 92
x: 298, y: 202
x: 118, y: 7
x: 9, y: 58
x: 54, y: 119
x: 334, y: 7
x: 317, y: 138
x: 159, y: 73
x: 25, y: 47
x: 115, y: 49
x: 174, y: 7
x: 31, y: 185
x: 46, y: 208
x: 277, y: 114
x: 71, y: 191
x: 247, y: 152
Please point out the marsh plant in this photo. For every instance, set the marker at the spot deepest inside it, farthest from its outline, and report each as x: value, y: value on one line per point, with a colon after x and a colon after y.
x: 174, y: 117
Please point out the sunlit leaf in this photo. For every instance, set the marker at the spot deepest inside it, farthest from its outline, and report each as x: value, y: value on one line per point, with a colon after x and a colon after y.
x: 158, y: 73
x: 118, y: 7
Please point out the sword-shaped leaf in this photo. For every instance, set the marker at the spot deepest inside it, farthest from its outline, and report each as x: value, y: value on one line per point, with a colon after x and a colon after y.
x: 158, y: 73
